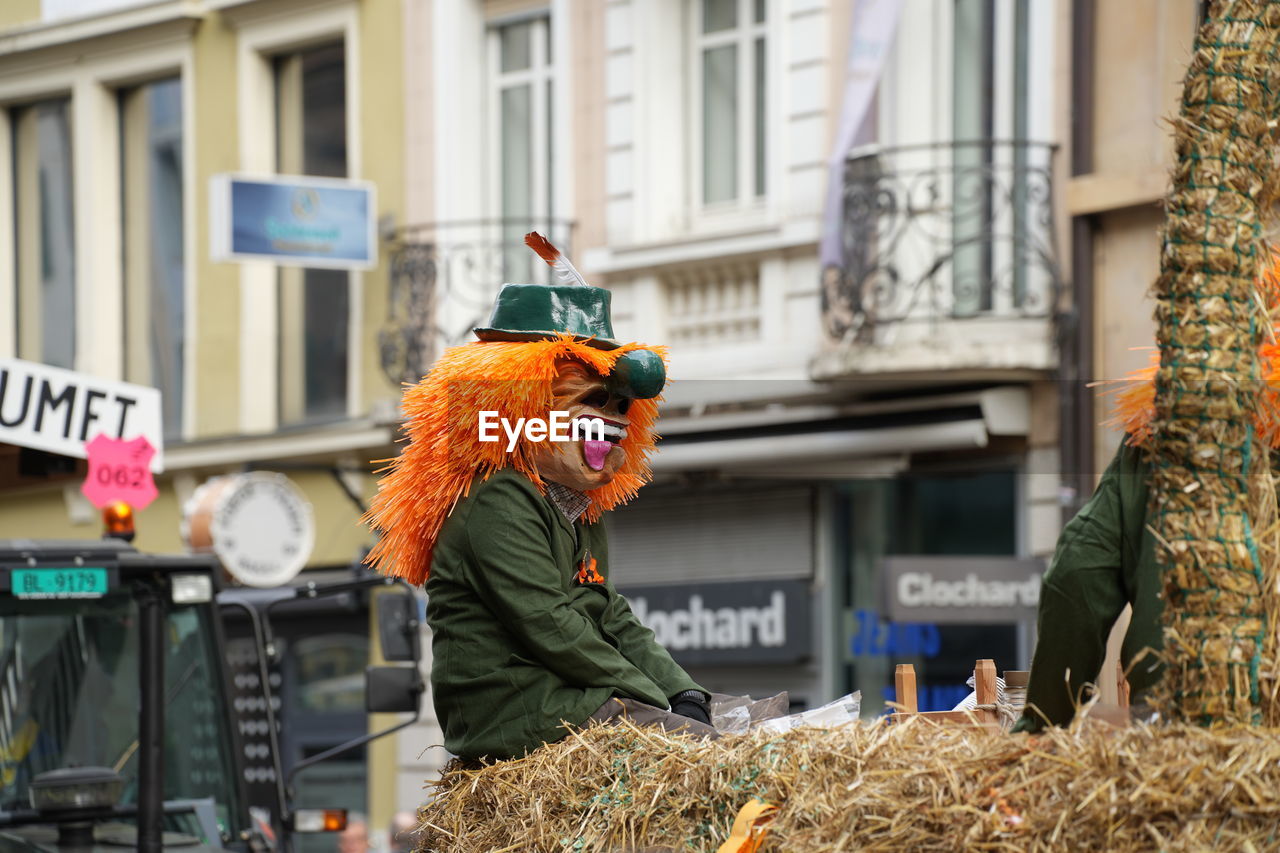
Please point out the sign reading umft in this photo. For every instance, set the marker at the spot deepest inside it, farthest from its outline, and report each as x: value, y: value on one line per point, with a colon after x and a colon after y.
x: 48, y: 408
x: 949, y: 590
x: 708, y: 623
x: 306, y: 222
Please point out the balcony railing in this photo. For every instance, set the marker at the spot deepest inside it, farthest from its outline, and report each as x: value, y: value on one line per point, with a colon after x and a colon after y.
x: 444, y: 277
x: 932, y: 234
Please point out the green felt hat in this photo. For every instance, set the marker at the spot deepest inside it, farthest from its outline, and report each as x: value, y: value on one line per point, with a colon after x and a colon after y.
x: 538, y: 312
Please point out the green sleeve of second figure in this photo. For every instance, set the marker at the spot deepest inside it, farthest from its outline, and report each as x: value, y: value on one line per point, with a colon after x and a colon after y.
x: 1081, y: 598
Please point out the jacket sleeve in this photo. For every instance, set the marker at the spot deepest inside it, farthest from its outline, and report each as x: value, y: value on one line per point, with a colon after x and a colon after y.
x: 635, y: 641
x: 640, y: 647
x: 518, y: 579
x: 1081, y: 598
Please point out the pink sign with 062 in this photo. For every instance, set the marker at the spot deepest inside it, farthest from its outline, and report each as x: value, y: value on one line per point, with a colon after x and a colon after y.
x: 119, y: 471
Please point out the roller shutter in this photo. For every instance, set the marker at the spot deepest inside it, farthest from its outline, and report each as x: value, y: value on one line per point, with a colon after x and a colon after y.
x: 730, y: 535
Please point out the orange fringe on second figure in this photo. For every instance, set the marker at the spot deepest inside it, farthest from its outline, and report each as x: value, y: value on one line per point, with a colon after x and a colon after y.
x: 1135, y: 400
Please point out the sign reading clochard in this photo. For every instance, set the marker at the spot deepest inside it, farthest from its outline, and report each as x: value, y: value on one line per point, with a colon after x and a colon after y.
x: 951, y: 590
x: 710, y: 623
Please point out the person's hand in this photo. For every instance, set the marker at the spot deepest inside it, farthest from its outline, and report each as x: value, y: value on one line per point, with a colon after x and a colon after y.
x: 692, y: 704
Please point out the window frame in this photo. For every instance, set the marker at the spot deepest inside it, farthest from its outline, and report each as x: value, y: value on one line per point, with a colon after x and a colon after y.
x: 295, y: 283
x: 92, y: 79
x: 185, y: 429
x: 548, y: 167
x: 744, y: 37
x: 544, y: 85
x: 26, y: 156
x: 259, y: 42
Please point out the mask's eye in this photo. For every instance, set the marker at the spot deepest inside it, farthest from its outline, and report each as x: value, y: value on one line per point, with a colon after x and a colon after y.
x: 597, y: 399
x: 623, y: 405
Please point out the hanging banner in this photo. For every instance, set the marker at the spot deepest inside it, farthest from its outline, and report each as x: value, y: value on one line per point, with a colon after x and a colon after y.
x: 56, y: 410
x: 870, y: 40
x: 298, y: 221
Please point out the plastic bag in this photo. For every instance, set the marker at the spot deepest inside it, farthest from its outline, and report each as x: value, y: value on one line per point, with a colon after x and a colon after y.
x: 846, y: 709
x: 737, y: 714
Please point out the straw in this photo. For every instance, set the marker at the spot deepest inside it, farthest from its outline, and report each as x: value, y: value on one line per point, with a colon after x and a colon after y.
x: 1206, y: 500
x: 911, y: 786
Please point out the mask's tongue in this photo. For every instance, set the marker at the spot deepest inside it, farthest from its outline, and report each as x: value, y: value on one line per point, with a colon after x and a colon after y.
x: 595, y: 452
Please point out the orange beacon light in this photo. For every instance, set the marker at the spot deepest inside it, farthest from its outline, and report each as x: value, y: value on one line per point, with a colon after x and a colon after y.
x: 117, y: 521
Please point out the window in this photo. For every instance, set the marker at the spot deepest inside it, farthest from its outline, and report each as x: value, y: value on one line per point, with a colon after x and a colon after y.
x: 154, y: 255
x: 314, y: 309
x: 978, y: 38
x: 44, y: 232
x: 521, y: 93
x: 731, y: 65
x: 69, y: 689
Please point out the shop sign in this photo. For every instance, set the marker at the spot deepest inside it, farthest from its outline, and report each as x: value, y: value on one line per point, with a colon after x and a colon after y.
x: 56, y: 410
x: 711, y: 623
x: 308, y: 222
x: 872, y: 637
x: 949, y: 590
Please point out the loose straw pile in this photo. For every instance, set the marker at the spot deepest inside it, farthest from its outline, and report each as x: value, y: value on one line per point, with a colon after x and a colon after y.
x: 1208, y: 461
x: 913, y: 786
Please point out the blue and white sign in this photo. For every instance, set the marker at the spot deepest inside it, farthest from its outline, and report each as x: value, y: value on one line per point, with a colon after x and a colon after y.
x: 306, y: 222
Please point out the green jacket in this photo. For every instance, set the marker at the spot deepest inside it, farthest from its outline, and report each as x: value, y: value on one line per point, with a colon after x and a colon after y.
x: 519, y: 644
x: 1105, y: 559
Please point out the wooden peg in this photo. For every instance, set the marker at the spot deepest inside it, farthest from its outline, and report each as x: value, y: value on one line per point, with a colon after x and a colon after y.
x: 984, y: 679
x: 904, y: 687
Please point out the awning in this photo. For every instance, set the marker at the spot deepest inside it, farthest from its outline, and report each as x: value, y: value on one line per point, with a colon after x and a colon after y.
x: 819, y: 447
x: 766, y: 453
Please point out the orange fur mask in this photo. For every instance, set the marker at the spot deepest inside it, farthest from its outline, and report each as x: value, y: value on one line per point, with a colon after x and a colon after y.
x: 444, y: 455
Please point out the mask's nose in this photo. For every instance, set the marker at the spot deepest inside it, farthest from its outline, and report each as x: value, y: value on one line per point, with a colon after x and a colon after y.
x: 639, y: 374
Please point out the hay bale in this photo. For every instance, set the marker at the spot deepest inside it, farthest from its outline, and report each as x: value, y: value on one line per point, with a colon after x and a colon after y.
x: 911, y: 786
x: 1219, y: 616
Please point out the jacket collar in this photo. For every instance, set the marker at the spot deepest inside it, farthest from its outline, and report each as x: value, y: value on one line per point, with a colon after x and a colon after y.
x: 570, y: 502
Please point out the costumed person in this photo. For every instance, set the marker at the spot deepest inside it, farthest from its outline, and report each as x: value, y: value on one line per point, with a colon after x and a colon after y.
x: 1106, y: 555
x: 505, y: 530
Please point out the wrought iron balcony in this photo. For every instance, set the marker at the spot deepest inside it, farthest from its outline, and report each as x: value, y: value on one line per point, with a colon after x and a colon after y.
x: 939, y: 239
x: 444, y: 277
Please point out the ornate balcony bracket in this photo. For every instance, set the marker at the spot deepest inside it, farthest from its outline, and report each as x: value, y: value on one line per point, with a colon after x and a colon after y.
x: 443, y: 278
x: 943, y: 232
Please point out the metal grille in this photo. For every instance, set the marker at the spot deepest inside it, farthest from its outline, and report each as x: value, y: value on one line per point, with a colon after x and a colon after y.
x: 250, y: 707
x: 443, y: 280
x: 661, y: 538
x: 942, y: 232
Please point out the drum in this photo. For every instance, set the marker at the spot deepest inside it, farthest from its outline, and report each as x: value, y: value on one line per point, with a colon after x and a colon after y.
x: 258, y: 524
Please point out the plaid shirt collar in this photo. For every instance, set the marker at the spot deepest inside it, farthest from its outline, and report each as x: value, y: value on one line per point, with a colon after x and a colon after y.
x: 571, y: 502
